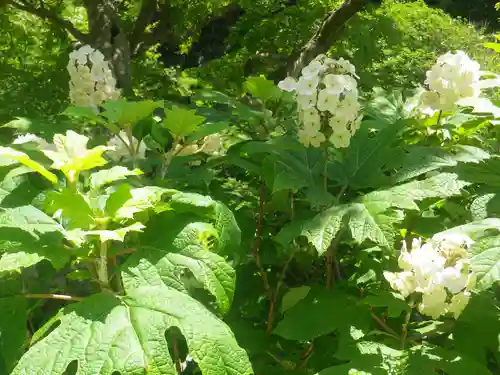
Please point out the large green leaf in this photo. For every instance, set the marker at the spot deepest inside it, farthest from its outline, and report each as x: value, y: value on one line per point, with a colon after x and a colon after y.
x: 366, y: 158
x: 484, y: 206
x: 106, y: 334
x: 291, y: 166
x: 427, y: 359
x: 229, y: 233
x: 27, y: 236
x: 364, y: 221
x: 173, y: 243
x: 486, y: 261
x: 320, y: 313
x: 476, y: 229
x: 380, y: 359
x: 421, y: 159
x: 29, y: 219
x: 442, y: 185
x: 370, y: 216
x: 13, y: 317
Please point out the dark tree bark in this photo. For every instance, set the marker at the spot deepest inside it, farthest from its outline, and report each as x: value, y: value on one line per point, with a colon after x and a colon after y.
x: 329, y: 31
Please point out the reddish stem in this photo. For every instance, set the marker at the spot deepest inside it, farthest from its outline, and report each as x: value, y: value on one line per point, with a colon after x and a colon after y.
x: 256, y: 246
x: 124, y: 252
x: 329, y: 271
x: 54, y: 296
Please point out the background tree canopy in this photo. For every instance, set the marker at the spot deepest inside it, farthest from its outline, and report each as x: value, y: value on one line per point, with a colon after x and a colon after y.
x: 220, y: 42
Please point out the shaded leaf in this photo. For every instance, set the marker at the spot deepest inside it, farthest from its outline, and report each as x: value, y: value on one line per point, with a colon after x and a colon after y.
x: 365, y: 159
x: 19, y: 249
x: 326, y: 312
x: 394, y: 303
x: 293, y: 296
x: 13, y: 317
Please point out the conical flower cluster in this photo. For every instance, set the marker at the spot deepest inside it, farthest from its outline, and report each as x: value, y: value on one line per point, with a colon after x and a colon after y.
x: 327, y: 101
x: 91, y: 78
x: 453, y: 78
x: 439, y: 270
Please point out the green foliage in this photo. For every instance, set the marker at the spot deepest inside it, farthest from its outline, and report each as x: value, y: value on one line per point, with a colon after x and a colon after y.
x: 227, y: 247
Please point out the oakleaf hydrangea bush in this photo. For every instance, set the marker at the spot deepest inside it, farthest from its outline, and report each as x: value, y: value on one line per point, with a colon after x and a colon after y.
x: 231, y: 236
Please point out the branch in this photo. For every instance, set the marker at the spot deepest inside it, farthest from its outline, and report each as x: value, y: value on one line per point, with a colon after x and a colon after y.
x: 51, y: 15
x: 145, y: 17
x: 328, y: 32
x: 54, y: 296
x: 162, y: 32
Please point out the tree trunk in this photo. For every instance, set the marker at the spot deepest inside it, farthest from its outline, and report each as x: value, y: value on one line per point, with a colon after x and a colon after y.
x: 107, y: 35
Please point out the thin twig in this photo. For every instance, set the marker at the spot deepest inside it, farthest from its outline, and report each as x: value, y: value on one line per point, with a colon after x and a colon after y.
x: 177, y: 360
x: 404, y: 330
x: 439, y: 118
x: 54, y: 296
x: 331, y: 255
x: 341, y: 193
x: 257, y: 241
x: 274, y: 295
x: 329, y: 269
x: 124, y: 252
x: 384, y: 325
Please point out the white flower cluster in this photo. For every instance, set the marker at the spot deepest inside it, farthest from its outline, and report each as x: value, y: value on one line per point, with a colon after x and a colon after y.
x: 90, y: 86
x: 439, y: 270
x: 454, y: 77
x: 327, y: 100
